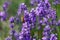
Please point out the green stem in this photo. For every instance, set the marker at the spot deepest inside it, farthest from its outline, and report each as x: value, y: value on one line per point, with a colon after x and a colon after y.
x: 57, y: 27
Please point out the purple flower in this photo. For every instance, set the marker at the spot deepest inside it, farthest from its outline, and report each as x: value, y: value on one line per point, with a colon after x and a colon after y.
x: 34, y: 2
x: 26, y: 16
x: 47, y: 6
x: 17, y: 20
x: 11, y: 20
x: 58, y: 23
x: 12, y: 25
x: 8, y: 38
x: 32, y: 16
x: 21, y: 8
x: 34, y: 38
x: 16, y: 35
x: 47, y: 28
x: 53, y: 37
x: 5, y: 6
x: 46, y: 1
x: 46, y: 33
x: 3, y: 15
x: 12, y: 32
x: 43, y: 15
x: 25, y: 32
x: 55, y: 2
x: 45, y: 38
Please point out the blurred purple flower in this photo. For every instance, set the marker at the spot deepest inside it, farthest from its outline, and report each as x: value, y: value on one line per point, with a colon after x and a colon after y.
x: 3, y: 15
x: 55, y: 2
x: 53, y: 37
x: 58, y: 23
x: 11, y: 20
x: 12, y: 25
x: 25, y: 32
x: 5, y: 6
x: 46, y: 33
x: 34, y: 2
x: 8, y: 38
x: 45, y: 38
x: 21, y: 8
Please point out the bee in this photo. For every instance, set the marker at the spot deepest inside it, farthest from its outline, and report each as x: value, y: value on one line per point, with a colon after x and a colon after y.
x: 22, y: 19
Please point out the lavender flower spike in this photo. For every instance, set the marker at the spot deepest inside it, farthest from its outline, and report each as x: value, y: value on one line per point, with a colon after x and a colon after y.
x: 8, y: 38
x: 53, y: 37
x: 11, y: 20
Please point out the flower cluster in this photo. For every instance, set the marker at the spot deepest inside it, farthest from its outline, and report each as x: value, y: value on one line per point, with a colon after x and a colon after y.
x: 4, y: 13
x: 56, y: 2
x: 42, y: 15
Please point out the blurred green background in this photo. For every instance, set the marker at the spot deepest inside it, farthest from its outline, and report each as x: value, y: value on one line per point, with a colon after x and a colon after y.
x: 12, y: 10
